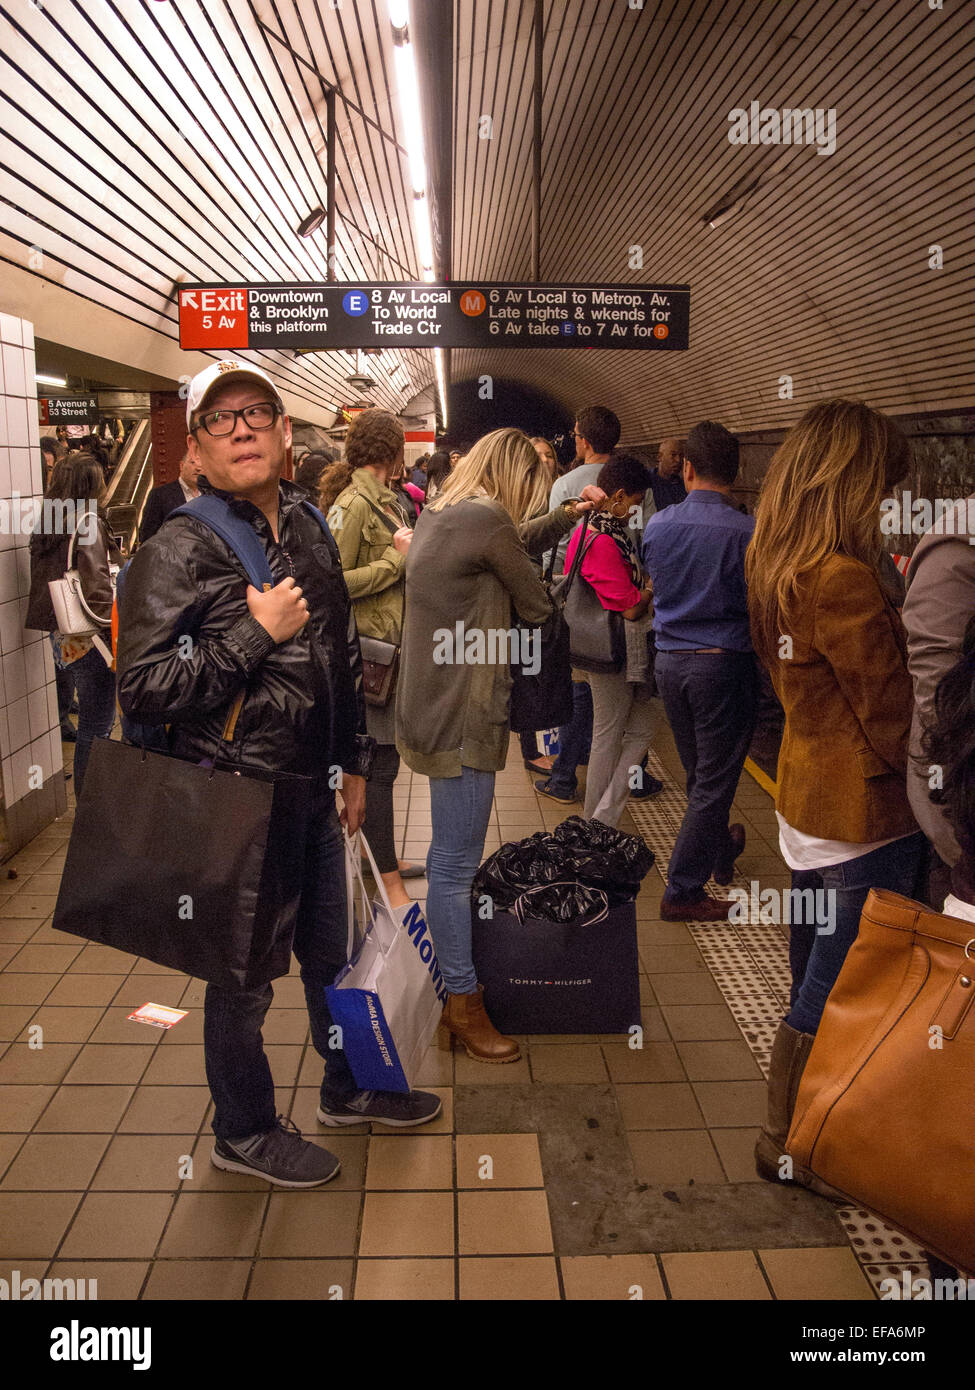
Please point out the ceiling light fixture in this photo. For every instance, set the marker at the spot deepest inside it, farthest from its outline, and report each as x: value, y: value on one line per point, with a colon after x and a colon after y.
x: 404, y: 60
x: 311, y: 223
x: 50, y: 380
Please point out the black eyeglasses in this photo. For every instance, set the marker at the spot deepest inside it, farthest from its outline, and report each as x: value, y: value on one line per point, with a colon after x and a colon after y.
x: 260, y: 416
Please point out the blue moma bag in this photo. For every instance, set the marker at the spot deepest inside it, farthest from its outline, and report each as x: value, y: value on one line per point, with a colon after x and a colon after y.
x: 389, y: 998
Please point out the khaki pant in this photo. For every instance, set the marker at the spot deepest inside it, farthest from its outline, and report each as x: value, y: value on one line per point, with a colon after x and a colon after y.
x: 622, y: 728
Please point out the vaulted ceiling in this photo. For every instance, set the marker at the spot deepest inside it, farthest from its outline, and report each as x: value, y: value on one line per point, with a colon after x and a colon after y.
x: 142, y: 141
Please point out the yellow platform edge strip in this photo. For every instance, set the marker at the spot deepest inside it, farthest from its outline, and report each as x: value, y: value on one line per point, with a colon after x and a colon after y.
x: 765, y: 782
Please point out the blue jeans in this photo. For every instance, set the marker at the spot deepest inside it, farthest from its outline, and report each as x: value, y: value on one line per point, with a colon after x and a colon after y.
x: 95, y: 684
x: 460, y: 808
x: 575, y: 741
x: 816, y: 956
x: 711, y: 702
x: 236, y: 1065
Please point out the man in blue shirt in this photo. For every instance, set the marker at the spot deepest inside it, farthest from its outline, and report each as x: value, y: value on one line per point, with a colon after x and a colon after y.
x: 694, y: 553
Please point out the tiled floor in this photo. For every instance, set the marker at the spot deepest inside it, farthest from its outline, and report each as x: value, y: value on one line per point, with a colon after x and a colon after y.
x: 588, y: 1170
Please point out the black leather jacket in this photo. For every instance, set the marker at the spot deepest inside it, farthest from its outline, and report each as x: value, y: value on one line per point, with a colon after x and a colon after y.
x: 303, y: 709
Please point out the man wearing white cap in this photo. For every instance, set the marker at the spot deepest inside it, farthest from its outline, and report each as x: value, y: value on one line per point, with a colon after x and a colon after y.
x: 294, y: 650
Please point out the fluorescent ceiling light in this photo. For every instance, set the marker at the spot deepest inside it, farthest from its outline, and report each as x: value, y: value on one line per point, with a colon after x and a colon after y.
x: 409, y: 104
x: 399, y: 13
x: 50, y: 380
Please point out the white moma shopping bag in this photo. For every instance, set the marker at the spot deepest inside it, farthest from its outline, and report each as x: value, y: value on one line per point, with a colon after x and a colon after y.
x: 548, y: 741
x: 389, y: 998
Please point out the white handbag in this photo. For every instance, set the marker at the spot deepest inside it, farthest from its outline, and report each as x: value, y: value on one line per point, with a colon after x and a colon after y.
x: 71, y: 612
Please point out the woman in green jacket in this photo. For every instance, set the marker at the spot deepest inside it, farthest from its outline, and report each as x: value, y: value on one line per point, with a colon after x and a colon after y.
x: 467, y: 568
x: 367, y: 524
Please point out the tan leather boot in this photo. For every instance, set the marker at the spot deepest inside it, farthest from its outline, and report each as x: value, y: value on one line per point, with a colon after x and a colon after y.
x: 465, y: 1018
x: 790, y: 1052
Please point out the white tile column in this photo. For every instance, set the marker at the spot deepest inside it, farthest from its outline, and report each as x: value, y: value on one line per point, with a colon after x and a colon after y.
x: 30, y: 741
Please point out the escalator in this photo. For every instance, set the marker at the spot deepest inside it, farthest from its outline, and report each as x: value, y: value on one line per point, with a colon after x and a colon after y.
x: 130, y: 486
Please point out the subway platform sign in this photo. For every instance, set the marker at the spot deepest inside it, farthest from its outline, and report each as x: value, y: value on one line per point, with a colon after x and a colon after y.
x: 403, y: 314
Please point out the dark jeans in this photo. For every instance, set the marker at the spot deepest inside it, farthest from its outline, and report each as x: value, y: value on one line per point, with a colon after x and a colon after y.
x: 236, y: 1065
x: 711, y: 702
x: 817, y: 950
x: 529, y: 746
x: 95, y: 684
x: 575, y: 740
x: 378, y: 824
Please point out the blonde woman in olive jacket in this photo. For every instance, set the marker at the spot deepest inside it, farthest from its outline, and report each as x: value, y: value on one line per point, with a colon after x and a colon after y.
x: 467, y: 568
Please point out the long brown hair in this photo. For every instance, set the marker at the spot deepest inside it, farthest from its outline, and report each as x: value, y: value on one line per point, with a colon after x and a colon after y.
x: 820, y: 497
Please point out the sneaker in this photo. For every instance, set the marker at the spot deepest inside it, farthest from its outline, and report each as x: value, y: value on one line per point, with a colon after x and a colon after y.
x: 650, y: 788
x: 545, y: 788
x: 279, y: 1156
x: 384, y: 1107
x: 724, y: 869
x: 700, y: 909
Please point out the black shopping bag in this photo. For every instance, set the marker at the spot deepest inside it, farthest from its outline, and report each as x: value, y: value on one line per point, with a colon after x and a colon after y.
x: 545, y: 977
x: 192, y: 867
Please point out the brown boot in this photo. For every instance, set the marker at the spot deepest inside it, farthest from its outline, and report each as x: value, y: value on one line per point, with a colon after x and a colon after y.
x: 790, y: 1052
x: 464, y: 1017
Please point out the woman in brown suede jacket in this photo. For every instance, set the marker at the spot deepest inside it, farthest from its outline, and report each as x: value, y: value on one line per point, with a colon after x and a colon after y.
x: 835, y: 649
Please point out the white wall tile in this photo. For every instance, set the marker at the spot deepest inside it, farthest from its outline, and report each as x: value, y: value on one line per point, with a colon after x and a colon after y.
x: 57, y: 752
x: 18, y: 723
x: 9, y: 587
x: 27, y: 329
x: 48, y: 658
x: 14, y: 371
x: 4, y: 432
x: 40, y: 756
x: 20, y: 473
x: 8, y: 779
x: 30, y: 388
x: 34, y: 666
x: 11, y: 627
x: 11, y: 329
x: 20, y: 762
x: 14, y: 675
x: 53, y: 718
x: 37, y: 713
x: 23, y: 571
x: 5, y: 488
x: 18, y: 431
x: 4, y: 735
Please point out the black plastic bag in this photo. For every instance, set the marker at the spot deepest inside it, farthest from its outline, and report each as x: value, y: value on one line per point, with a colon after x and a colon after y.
x: 584, y: 867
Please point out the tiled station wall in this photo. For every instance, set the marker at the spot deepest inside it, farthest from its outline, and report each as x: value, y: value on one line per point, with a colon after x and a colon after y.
x: 29, y: 726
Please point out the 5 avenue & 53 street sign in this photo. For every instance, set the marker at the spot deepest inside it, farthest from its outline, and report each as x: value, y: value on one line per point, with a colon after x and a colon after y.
x: 403, y: 314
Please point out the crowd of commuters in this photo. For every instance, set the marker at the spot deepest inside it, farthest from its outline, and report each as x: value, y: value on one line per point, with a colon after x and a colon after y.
x: 337, y: 660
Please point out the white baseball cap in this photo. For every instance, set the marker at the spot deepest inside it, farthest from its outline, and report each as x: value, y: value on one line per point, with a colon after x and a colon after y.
x: 218, y: 374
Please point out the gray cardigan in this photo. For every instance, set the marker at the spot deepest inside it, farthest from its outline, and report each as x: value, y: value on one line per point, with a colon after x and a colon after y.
x: 940, y: 600
x: 467, y: 565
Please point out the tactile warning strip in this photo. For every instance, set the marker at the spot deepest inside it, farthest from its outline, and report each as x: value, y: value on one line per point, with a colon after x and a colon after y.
x: 750, y: 965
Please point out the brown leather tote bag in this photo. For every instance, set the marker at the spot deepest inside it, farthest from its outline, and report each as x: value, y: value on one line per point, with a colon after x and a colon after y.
x: 886, y: 1106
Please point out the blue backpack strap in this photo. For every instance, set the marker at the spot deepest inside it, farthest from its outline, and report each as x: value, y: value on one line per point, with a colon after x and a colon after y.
x: 319, y: 516
x: 235, y: 532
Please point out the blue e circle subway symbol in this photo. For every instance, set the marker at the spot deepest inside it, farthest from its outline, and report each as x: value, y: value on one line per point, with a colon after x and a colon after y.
x: 355, y: 303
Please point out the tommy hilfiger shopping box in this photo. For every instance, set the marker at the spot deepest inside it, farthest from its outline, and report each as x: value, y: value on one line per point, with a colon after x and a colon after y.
x: 539, y: 977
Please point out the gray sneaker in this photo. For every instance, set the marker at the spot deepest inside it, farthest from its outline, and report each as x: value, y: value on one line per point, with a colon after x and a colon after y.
x: 279, y: 1156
